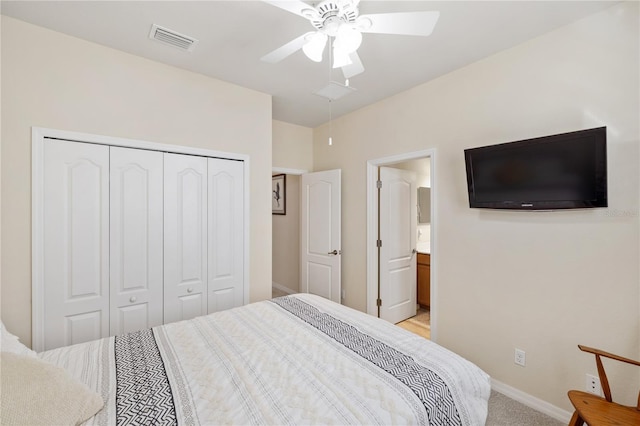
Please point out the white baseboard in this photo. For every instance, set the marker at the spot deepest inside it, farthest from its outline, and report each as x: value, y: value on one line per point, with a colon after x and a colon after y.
x: 531, y: 401
x: 282, y: 288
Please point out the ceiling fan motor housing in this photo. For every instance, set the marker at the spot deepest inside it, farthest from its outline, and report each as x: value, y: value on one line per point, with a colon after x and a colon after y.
x: 333, y: 13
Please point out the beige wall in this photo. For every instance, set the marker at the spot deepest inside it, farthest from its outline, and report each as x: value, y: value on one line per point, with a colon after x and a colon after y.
x: 56, y: 81
x: 293, y: 150
x: 286, y: 239
x: 422, y: 167
x: 539, y: 281
x: 292, y: 146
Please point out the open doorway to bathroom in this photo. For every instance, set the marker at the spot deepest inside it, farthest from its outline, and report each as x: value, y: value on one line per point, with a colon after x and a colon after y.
x: 421, y: 165
x: 420, y: 323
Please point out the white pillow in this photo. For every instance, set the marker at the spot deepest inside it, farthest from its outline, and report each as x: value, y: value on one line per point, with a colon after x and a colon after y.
x: 10, y: 343
x: 35, y: 392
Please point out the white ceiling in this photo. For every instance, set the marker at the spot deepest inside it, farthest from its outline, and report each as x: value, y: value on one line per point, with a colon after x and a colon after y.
x: 234, y: 35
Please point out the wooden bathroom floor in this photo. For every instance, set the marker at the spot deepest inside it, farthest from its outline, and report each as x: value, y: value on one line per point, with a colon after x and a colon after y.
x: 420, y: 324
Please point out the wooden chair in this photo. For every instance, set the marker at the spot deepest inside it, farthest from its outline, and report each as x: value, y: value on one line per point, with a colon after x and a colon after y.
x: 595, y: 410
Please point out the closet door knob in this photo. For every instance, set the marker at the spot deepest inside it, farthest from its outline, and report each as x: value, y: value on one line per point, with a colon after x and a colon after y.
x: 190, y: 290
x: 132, y: 299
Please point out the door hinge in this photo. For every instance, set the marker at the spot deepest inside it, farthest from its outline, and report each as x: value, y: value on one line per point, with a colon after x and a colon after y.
x: 379, y: 302
x: 378, y: 184
x: 378, y: 243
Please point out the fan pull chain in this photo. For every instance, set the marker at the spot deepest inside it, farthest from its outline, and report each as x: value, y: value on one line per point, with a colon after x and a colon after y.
x: 330, y: 106
x: 330, y: 125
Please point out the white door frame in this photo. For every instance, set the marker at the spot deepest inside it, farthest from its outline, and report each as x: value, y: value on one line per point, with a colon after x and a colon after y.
x: 372, y: 230
x: 286, y: 171
x: 38, y: 135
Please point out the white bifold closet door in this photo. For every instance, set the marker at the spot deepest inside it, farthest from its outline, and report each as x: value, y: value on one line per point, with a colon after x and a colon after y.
x: 185, y: 237
x: 136, y: 238
x: 76, y: 243
x: 203, y: 266
x: 225, y: 221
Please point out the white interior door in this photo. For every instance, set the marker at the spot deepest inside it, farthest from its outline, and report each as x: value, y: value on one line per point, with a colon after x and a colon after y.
x: 136, y: 219
x: 321, y: 252
x: 226, y: 237
x: 398, y: 228
x: 185, y: 237
x: 76, y: 243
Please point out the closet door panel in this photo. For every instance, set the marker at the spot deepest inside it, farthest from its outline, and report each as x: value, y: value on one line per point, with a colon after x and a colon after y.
x: 190, y: 306
x: 136, y: 238
x: 76, y: 242
x: 185, y: 237
x: 226, y: 238
x: 133, y: 317
x: 83, y: 327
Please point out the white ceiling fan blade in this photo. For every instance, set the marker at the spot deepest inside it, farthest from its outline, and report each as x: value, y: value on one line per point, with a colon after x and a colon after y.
x: 354, y: 68
x: 288, y: 49
x: 404, y: 23
x: 294, y: 6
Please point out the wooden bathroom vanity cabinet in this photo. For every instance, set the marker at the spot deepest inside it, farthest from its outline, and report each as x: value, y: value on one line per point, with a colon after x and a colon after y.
x: 424, y: 280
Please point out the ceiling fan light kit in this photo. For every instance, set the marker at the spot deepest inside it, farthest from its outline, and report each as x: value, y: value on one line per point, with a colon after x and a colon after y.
x: 314, y: 46
x: 348, y: 39
x: 341, y: 21
x: 340, y: 58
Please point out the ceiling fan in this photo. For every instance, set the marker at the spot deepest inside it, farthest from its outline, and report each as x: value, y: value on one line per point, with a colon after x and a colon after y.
x: 340, y: 22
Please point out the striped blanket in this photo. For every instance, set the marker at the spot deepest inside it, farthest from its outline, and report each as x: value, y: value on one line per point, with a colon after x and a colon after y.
x: 293, y: 360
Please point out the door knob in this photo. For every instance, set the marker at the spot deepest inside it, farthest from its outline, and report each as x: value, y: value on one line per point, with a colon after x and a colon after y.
x: 132, y: 299
x: 333, y: 253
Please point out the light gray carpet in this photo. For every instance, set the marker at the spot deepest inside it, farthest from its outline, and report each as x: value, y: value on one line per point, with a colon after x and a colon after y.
x: 504, y: 411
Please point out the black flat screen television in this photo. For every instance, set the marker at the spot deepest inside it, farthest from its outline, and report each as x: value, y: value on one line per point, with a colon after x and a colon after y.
x: 565, y: 171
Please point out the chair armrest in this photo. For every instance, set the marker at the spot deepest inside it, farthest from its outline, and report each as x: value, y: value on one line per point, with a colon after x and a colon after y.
x: 604, y: 382
x: 608, y: 355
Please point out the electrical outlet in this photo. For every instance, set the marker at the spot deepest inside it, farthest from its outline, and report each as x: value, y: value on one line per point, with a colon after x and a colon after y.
x: 520, y: 357
x: 593, y: 385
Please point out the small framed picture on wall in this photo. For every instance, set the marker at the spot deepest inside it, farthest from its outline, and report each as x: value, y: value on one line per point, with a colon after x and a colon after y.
x: 279, y: 194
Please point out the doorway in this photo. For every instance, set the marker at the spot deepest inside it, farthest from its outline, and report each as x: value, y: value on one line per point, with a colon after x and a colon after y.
x: 306, y: 233
x: 285, y: 222
x: 425, y: 242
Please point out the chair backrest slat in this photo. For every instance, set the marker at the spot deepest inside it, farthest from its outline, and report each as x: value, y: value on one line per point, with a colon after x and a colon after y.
x: 604, y: 382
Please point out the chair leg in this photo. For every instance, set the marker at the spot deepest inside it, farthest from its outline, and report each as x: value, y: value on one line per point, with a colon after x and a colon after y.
x: 576, y: 420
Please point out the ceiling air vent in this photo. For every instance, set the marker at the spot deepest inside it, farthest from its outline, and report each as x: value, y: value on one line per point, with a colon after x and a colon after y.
x: 167, y: 36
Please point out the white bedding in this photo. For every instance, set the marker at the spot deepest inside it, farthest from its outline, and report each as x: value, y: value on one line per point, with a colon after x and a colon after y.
x: 295, y: 360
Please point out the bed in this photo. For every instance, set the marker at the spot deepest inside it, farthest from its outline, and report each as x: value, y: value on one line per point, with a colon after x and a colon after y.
x: 298, y: 359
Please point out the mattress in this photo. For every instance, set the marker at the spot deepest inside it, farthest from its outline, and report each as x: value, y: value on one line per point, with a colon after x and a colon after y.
x: 299, y: 359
